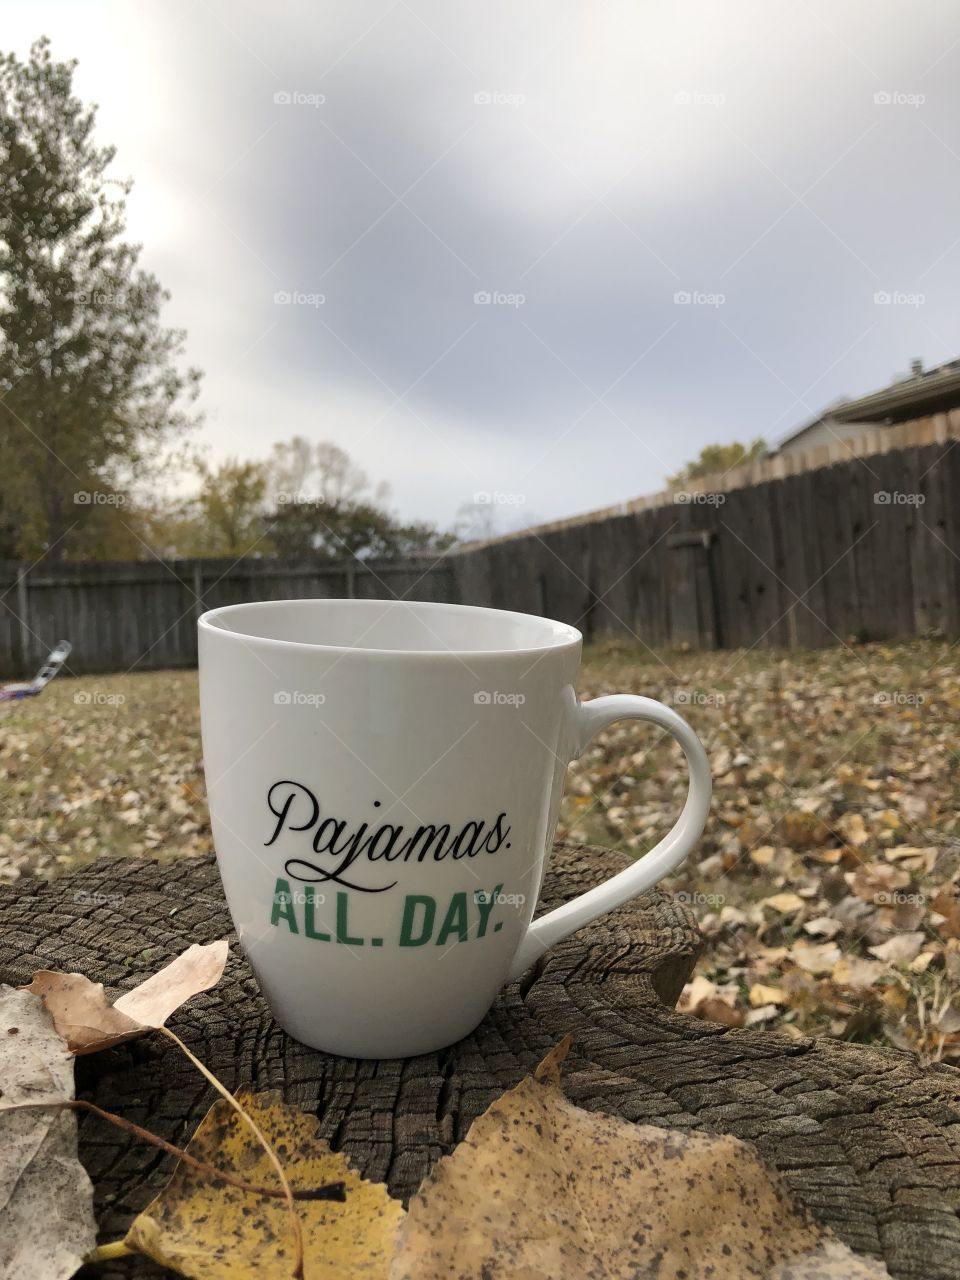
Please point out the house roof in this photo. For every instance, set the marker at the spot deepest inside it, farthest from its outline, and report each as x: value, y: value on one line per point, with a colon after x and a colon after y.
x: 919, y: 394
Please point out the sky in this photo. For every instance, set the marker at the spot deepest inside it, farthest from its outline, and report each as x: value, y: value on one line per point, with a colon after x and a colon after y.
x: 534, y: 253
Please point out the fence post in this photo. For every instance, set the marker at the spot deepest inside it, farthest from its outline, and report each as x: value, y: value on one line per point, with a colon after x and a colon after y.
x: 198, y: 605
x: 351, y: 586
x: 23, y: 607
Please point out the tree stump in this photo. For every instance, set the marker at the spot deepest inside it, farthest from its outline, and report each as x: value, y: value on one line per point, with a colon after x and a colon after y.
x: 866, y: 1138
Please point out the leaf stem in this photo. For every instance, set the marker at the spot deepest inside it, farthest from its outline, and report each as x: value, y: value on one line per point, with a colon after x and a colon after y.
x: 107, y: 1252
x: 330, y: 1191
x: 255, y: 1129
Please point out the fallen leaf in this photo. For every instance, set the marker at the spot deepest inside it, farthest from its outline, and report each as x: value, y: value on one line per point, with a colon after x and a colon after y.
x: 947, y: 904
x: 763, y: 1013
x: 218, y: 1232
x: 87, y: 1021
x: 876, y: 882
x: 900, y: 949
x: 762, y: 856
x: 912, y: 858
x: 854, y: 830
x: 541, y: 1189
x: 815, y: 957
x: 46, y: 1200
x: 784, y: 903
x: 823, y: 927
x: 761, y: 995
x: 852, y: 971
x: 716, y: 1009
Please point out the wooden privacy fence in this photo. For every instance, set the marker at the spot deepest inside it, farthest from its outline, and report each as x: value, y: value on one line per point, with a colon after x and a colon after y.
x: 866, y: 549
x: 141, y: 615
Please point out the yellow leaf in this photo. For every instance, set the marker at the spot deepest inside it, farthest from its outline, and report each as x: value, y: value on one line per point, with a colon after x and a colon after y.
x: 763, y: 855
x: 541, y: 1189
x: 761, y: 995
x: 214, y: 1231
x: 854, y: 829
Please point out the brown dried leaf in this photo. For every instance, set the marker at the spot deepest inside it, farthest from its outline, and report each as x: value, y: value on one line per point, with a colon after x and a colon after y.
x: 947, y: 904
x: 88, y: 1022
x: 541, y: 1189
x: 877, y: 882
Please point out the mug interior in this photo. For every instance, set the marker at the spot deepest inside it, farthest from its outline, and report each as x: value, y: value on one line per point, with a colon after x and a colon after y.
x: 390, y: 626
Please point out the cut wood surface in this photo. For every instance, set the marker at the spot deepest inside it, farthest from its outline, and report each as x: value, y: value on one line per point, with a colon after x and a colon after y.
x: 866, y: 1138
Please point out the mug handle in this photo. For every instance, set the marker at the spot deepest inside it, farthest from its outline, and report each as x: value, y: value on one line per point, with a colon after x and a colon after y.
x: 663, y: 858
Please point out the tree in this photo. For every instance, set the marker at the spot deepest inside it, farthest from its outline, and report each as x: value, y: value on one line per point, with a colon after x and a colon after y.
x: 301, y: 472
x: 719, y: 457
x: 230, y: 508
x: 348, y: 530
x: 90, y: 384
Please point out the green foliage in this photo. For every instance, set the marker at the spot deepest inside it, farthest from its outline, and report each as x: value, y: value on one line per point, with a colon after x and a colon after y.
x: 343, y: 530
x: 719, y: 458
x: 229, y: 508
x: 90, y: 388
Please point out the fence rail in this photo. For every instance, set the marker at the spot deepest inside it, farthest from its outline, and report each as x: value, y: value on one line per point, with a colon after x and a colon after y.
x: 867, y: 548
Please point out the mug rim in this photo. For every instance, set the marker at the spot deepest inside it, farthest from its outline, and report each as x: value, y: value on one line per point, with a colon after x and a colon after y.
x: 558, y: 635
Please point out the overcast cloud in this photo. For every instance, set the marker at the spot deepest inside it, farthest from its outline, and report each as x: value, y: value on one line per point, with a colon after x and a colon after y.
x: 581, y: 163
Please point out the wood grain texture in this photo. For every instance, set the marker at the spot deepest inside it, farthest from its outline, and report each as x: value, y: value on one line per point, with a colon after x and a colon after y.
x: 866, y: 1138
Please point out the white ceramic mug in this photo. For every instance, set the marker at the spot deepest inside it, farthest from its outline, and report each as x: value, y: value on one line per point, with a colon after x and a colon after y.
x: 384, y: 780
